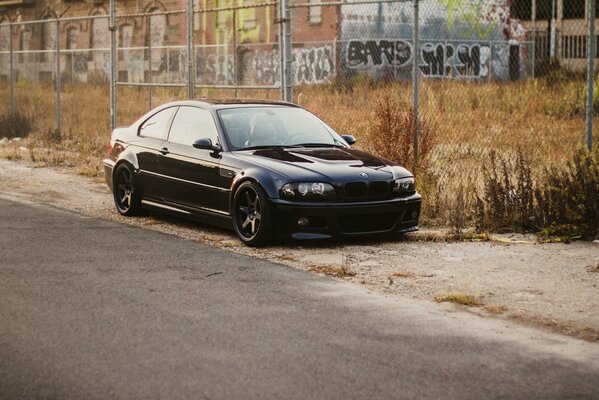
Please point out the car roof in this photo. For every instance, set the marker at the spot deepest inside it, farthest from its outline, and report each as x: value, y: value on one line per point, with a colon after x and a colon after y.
x: 229, y: 103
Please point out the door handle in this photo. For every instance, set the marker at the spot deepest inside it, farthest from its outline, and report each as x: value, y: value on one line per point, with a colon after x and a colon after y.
x: 164, y: 151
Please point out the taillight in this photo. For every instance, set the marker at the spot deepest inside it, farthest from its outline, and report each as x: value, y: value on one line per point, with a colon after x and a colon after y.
x: 110, y: 148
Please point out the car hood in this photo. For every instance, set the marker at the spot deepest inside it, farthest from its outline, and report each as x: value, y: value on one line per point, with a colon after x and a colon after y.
x: 329, y: 164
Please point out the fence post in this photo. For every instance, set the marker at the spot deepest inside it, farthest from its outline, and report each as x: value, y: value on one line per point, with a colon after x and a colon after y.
x: 235, y: 51
x: 112, y: 64
x: 57, y: 77
x: 534, y: 36
x: 150, y: 62
x: 591, y: 73
x: 285, y: 50
x: 190, y: 55
x: 11, y: 73
x: 287, y: 36
x: 415, y: 78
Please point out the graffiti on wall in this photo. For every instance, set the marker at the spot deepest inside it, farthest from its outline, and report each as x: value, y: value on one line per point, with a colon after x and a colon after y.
x: 313, y: 65
x: 476, y: 17
x: 215, y: 69
x: 310, y: 65
x: 378, y: 52
x: 436, y: 59
x: 464, y: 60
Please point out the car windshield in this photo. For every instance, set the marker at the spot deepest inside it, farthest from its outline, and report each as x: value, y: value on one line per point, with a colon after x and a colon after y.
x: 267, y: 127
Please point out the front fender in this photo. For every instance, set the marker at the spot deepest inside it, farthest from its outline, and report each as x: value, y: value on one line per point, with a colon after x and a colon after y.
x: 269, y: 180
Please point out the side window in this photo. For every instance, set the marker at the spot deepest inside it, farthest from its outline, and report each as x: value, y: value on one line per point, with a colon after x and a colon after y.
x: 191, y: 124
x: 156, y: 125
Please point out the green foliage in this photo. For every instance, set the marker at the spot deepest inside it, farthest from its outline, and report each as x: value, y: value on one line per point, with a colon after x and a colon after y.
x: 17, y: 125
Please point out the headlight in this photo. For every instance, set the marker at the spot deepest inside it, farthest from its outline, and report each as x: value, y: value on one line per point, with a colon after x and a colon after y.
x: 308, y: 191
x: 404, y: 186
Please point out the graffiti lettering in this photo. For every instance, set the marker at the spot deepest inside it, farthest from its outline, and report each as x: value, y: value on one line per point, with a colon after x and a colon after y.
x: 444, y: 60
x: 313, y: 65
x: 376, y: 53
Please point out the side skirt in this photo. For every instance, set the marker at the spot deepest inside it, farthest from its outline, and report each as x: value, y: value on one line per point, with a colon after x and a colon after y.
x: 202, y: 216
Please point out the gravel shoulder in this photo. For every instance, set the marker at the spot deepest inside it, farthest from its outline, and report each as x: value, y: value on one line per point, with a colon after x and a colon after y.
x: 551, y: 285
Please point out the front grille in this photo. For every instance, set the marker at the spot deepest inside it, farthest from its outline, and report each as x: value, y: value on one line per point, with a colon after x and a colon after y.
x: 367, y: 223
x: 355, y: 189
x: 378, y: 189
x: 365, y: 191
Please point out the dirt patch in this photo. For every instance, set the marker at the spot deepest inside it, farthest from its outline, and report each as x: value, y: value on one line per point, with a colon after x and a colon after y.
x: 510, y: 276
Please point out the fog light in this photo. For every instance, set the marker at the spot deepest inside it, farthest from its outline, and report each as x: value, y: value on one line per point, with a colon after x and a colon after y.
x: 303, y: 221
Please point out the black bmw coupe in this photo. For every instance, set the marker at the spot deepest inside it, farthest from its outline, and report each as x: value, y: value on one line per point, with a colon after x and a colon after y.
x: 265, y: 169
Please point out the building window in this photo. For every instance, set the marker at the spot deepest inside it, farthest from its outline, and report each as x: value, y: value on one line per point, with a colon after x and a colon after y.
x: 48, y: 40
x: 221, y: 16
x: 544, y: 11
x: 315, y: 12
x: 248, y: 16
x: 522, y: 10
x: 574, y: 9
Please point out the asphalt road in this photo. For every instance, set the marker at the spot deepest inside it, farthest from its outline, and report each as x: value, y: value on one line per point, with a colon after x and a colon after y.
x: 94, y: 309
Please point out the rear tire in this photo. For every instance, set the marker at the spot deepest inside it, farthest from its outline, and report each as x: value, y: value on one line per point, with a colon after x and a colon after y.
x: 251, y: 215
x: 127, y: 197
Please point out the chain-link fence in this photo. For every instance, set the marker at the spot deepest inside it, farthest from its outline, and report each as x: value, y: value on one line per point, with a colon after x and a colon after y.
x: 482, y: 75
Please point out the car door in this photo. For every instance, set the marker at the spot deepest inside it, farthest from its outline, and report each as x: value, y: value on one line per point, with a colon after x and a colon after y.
x: 152, y: 136
x: 193, y: 173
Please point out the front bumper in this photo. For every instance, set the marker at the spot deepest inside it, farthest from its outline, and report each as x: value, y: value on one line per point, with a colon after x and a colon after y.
x: 325, y: 220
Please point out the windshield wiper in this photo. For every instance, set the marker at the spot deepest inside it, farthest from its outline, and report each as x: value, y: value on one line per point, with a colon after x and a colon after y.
x: 270, y: 146
x: 319, y: 145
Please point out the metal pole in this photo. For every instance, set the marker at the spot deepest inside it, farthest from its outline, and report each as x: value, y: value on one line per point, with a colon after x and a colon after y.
x: 591, y: 73
x: 553, y: 34
x: 287, y: 41
x: 12, y: 78
x: 416, y: 76
x: 57, y: 77
x: 150, y: 62
x: 190, y: 56
x: 281, y: 51
x: 534, y: 36
x: 113, y: 62
x: 235, y: 50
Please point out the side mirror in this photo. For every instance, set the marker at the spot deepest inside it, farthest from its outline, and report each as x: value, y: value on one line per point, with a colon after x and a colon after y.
x: 349, y: 139
x: 205, y: 144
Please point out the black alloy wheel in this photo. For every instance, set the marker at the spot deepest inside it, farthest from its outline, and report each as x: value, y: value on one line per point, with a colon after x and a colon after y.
x: 126, y: 194
x: 251, y: 215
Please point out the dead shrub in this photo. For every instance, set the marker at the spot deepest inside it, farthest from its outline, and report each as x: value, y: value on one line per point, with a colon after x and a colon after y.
x: 568, y: 198
x: 392, y: 134
x: 508, y: 199
x: 16, y: 125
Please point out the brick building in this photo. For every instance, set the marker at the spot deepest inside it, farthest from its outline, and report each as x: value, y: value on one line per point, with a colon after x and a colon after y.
x: 231, y: 46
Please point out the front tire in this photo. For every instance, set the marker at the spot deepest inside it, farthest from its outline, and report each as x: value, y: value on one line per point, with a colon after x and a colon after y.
x: 251, y: 215
x: 127, y: 197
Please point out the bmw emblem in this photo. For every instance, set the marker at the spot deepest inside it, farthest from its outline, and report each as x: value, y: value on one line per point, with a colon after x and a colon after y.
x: 363, y: 174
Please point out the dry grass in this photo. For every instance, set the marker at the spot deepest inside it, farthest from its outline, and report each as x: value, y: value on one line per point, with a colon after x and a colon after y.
x: 497, y: 310
x: 458, y: 298
x: 470, y: 122
x: 330, y: 270
x: 403, y: 274
x: 593, y: 268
